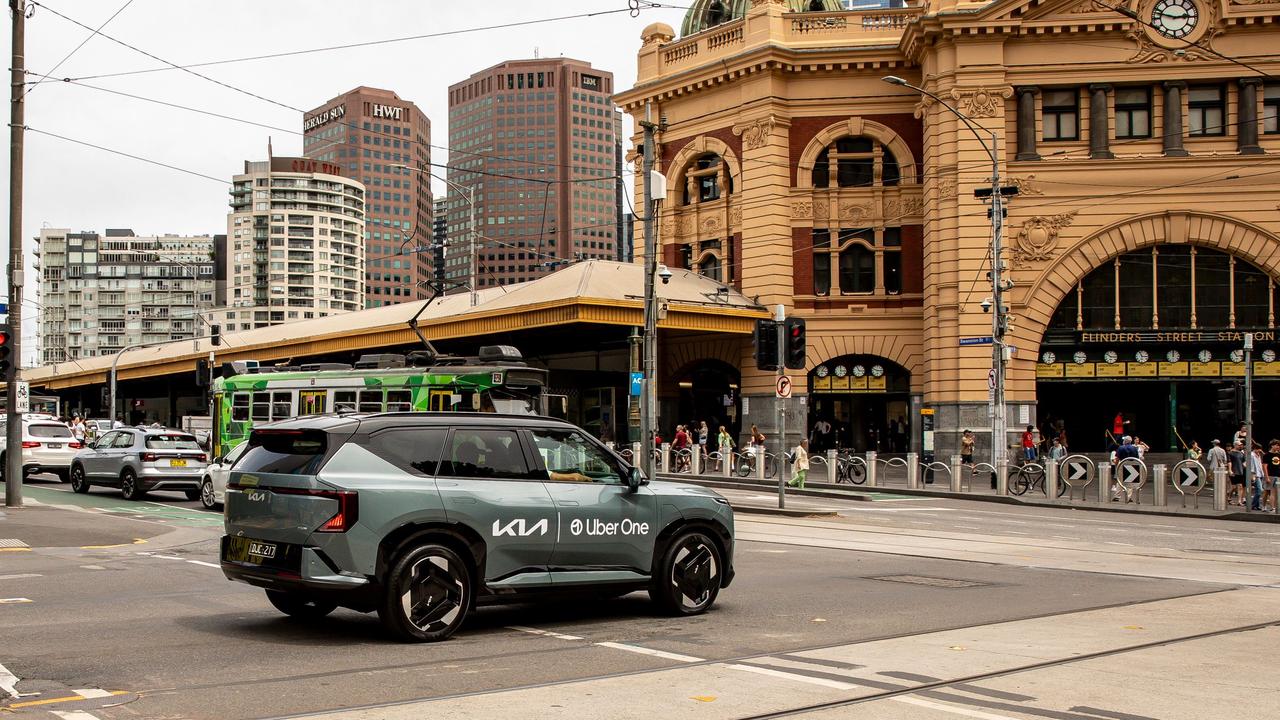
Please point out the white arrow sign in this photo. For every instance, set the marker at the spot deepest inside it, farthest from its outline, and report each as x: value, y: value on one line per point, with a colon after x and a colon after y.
x: 1190, y: 476
x: 1076, y: 471
x: 1130, y: 474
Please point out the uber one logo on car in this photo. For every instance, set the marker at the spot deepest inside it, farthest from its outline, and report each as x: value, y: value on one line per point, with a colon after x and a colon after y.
x: 596, y: 526
x: 518, y: 528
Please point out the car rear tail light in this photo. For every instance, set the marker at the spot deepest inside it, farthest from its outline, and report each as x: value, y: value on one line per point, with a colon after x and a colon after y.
x: 75, y: 445
x: 30, y: 444
x: 149, y: 457
x: 348, y: 511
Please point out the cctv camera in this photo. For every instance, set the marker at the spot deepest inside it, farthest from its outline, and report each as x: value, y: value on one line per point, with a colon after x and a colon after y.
x: 986, y: 305
x: 665, y: 274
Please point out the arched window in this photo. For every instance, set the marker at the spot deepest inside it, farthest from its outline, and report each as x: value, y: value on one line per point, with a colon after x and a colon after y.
x: 706, y: 178
x: 867, y: 260
x: 712, y: 258
x: 816, y: 6
x: 716, y: 14
x: 710, y: 267
x: 855, y: 162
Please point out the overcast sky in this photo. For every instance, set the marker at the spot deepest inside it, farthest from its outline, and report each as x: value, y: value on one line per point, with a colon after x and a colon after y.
x: 82, y: 188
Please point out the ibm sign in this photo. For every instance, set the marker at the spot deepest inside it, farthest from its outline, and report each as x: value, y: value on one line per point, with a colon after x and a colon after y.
x: 388, y: 111
x: 590, y: 82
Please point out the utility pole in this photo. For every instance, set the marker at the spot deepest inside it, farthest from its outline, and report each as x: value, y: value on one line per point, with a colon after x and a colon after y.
x: 1248, y: 419
x: 780, y: 314
x: 999, y: 325
x: 649, y: 352
x: 474, y: 247
x: 17, y: 79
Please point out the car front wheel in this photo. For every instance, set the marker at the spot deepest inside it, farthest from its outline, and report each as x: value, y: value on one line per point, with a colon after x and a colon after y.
x: 428, y: 594
x: 79, y: 483
x: 207, y: 498
x: 688, y: 579
x: 300, y: 606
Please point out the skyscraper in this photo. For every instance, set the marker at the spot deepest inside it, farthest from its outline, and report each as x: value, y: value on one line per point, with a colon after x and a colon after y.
x: 376, y: 137
x: 536, y: 140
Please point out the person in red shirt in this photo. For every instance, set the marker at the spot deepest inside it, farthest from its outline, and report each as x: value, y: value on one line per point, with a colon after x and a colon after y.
x: 1117, y: 425
x: 1029, y: 444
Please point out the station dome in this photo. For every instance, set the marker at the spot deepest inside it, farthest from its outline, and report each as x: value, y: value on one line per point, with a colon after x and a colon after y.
x: 704, y: 14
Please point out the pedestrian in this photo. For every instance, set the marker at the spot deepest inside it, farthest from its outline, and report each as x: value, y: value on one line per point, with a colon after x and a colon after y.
x: 801, y: 464
x: 1029, y: 444
x: 966, y: 447
x: 757, y: 437
x: 1242, y: 435
x: 703, y: 432
x: 678, y: 447
x: 1194, y: 452
x: 1142, y: 447
x: 1236, y: 463
x: 1258, y: 469
x: 1216, y: 459
x: 78, y: 429
x: 724, y: 445
x: 1126, y: 450
x: 1056, y: 451
x: 1117, y: 425
x: 1271, y: 462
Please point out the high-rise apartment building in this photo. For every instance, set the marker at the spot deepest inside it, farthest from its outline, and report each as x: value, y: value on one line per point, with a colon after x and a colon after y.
x: 102, y: 293
x: 295, y: 243
x: 439, y: 239
x: 536, y: 141
x: 383, y: 141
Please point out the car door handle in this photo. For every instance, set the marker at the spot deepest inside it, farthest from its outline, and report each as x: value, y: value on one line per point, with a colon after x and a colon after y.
x: 569, y: 503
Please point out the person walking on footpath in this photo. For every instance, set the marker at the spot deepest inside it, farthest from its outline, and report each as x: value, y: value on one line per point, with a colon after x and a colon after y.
x: 1215, y: 459
x: 1126, y: 450
x: 1194, y: 452
x: 724, y: 445
x: 1029, y: 444
x: 1236, y: 461
x: 801, y: 464
x: 1258, y: 470
x: 1272, y: 462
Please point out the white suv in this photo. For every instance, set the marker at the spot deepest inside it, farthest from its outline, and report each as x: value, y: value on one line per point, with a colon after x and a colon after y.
x: 47, y: 446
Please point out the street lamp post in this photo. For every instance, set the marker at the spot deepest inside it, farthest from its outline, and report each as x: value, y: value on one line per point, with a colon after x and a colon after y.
x: 999, y: 313
x: 468, y: 194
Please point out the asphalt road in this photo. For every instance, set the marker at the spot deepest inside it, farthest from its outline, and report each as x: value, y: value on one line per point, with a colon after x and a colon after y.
x: 117, y: 610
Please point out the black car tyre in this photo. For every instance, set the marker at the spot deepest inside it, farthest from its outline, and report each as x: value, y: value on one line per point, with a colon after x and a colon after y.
x: 206, y: 494
x: 79, y: 483
x: 428, y: 596
x: 687, y: 580
x: 63, y: 475
x: 193, y: 494
x: 297, y: 605
x: 129, y: 485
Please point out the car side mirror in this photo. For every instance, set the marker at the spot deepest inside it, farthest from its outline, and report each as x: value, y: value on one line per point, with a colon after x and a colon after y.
x: 635, y: 479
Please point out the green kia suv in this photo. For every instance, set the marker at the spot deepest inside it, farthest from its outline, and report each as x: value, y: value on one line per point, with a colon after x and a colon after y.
x: 420, y: 516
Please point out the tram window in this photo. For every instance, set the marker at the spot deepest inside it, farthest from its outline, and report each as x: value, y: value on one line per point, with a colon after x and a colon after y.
x: 344, y: 401
x: 399, y: 400
x: 240, y: 407
x: 262, y: 406
x: 371, y: 401
x: 281, y: 405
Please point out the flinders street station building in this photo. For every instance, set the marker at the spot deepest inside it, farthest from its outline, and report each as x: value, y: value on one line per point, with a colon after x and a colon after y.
x: 1143, y: 244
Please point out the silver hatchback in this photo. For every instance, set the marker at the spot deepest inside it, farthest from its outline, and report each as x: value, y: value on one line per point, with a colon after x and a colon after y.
x: 139, y: 460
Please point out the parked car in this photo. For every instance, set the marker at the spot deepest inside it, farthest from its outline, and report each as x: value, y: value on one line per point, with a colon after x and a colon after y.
x: 213, y: 486
x: 139, y: 460
x: 47, y: 446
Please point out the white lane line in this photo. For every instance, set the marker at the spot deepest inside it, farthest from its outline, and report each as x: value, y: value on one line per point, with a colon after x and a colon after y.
x: 546, y: 633
x: 92, y: 567
x: 1226, y: 539
x: 74, y: 715
x: 90, y: 693
x: 1108, y: 542
x: 23, y: 576
x: 824, y: 682
x: 8, y: 681
x: 1062, y: 537
x: 966, y: 527
x: 206, y: 564
x: 1013, y: 532
x: 954, y: 710
x: 650, y: 651
x: 14, y: 601
x: 1168, y: 534
x: 168, y: 557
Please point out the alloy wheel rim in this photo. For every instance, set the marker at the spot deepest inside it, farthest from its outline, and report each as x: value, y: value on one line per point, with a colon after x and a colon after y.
x: 434, y: 595
x: 694, y: 573
x: 206, y: 494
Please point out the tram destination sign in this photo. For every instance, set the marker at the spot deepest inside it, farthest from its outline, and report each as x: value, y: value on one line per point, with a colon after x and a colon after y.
x: 1176, y: 336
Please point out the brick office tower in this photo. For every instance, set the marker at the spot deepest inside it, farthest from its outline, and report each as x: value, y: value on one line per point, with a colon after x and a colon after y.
x: 535, y: 139
x: 371, y: 134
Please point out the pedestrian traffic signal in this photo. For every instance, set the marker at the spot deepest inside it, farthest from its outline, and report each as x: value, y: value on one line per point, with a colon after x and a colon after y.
x: 215, y: 335
x: 6, y: 352
x: 795, y: 350
x: 766, y: 342
x: 202, y: 373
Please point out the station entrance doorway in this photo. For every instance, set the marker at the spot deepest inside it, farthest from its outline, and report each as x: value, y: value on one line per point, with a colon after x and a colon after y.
x: 861, y: 402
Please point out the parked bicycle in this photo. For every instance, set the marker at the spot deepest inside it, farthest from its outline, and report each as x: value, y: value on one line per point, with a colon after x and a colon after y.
x: 850, y: 468
x: 747, y: 462
x: 1028, y: 476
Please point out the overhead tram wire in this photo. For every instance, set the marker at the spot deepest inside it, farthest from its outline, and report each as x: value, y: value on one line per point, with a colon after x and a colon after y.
x: 94, y: 31
x: 1131, y: 14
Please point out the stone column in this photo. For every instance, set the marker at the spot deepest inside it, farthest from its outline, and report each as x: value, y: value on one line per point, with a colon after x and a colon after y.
x: 1027, y: 124
x: 1172, y: 130
x: 1247, y: 134
x: 1099, y: 127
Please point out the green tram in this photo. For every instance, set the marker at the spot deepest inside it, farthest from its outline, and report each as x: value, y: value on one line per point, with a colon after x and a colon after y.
x: 495, y: 381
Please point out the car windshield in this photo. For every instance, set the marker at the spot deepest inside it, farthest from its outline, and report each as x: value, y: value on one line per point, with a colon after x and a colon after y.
x: 48, y: 431
x: 172, y: 442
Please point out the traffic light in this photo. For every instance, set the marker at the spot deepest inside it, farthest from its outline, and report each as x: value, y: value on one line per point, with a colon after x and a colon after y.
x: 215, y: 335
x: 795, y: 343
x: 766, y: 342
x: 202, y: 373
x: 6, y: 352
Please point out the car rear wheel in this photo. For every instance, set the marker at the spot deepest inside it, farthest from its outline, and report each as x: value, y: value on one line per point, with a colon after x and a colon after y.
x: 79, y: 483
x: 428, y: 594
x: 129, y: 486
x: 688, y: 579
x: 193, y: 494
x: 63, y: 475
x: 300, y: 606
x: 207, y: 498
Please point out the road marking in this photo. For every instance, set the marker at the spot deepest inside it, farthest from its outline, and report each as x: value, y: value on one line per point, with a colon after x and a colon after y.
x: 92, y: 567
x: 14, y: 601
x: 824, y: 682
x: 19, y: 577
x: 965, y: 712
x: 1062, y: 537
x: 650, y: 651
x: 74, y: 715
x: 11, y: 543
x: 68, y: 698
x: 1108, y: 542
x: 546, y: 633
x: 206, y: 564
x: 1014, y: 532
x: 967, y: 527
x: 168, y: 557
x: 1227, y: 539
x: 15, y: 549
x: 90, y: 693
x: 8, y: 682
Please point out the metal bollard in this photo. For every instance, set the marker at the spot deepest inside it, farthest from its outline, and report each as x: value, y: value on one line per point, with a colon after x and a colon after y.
x: 1104, y: 481
x: 1220, y: 489
x: 913, y: 471
x: 1002, y: 480
x: 726, y: 461
x: 871, y: 468
x: 665, y: 459
x: 695, y: 459
x: 1158, y: 482
x: 635, y: 454
x: 956, y: 467
x: 1051, y: 479
x: 833, y: 466
x: 760, y: 461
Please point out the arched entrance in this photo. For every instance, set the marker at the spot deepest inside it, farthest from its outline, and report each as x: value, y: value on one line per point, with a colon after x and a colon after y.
x: 864, y: 400
x: 1155, y: 335
x: 709, y: 392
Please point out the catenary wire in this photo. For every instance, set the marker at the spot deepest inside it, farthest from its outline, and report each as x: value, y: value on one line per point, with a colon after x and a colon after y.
x: 94, y: 31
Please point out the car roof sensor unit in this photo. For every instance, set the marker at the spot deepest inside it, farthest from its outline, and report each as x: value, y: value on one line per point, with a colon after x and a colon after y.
x: 380, y: 361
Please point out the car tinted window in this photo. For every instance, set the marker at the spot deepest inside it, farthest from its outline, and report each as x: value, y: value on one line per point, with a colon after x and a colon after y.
x: 49, y: 431
x: 288, y: 453
x: 123, y: 440
x: 569, y: 456
x: 416, y: 450
x: 235, y: 454
x: 172, y: 442
x: 492, y: 454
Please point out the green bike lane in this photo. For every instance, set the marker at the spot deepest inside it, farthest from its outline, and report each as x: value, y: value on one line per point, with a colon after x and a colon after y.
x: 108, y: 501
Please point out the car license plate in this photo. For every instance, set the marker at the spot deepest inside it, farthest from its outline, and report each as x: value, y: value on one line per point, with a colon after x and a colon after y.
x: 262, y: 550
x: 177, y: 463
x: 54, y: 446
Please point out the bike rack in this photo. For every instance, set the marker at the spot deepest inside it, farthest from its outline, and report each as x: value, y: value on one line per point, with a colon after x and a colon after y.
x: 1091, y: 471
x: 966, y: 484
x: 1131, y: 492
x: 1202, y: 479
x: 886, y: 464
x: 936, y: 466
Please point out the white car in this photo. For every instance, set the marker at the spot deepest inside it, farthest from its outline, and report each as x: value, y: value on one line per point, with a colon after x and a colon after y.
x: 213, y: 487
x: 47, y: 447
